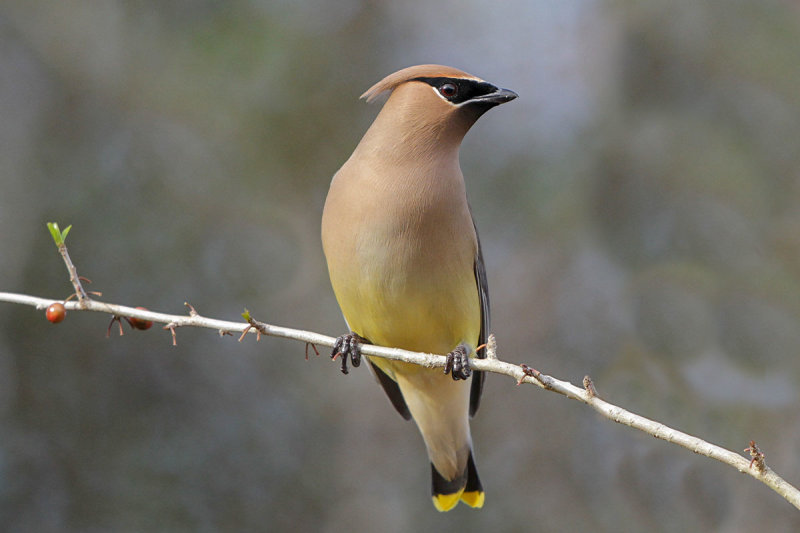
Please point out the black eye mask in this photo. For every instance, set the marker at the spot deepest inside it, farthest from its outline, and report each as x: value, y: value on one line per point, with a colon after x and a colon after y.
x: 465, y: 89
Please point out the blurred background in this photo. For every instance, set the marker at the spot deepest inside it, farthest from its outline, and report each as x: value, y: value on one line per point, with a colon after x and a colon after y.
x: 638, y: 207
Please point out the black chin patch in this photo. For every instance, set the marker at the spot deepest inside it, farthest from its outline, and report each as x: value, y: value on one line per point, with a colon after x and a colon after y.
x: 465, y: 89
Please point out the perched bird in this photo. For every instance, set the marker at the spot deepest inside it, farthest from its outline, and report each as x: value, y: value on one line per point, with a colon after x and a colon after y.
x: 405, y: 261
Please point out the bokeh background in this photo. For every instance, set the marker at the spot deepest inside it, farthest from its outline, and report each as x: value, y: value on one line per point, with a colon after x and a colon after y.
x: 638, y: 207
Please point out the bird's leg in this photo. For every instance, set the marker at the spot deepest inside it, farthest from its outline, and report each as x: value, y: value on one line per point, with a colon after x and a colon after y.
x: 457, y: 364
x: 348, y: 345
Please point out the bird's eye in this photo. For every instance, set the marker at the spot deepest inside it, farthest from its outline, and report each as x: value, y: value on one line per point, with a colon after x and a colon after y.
x: 448, y: 90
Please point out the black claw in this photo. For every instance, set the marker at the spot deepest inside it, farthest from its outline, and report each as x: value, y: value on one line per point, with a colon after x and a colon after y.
x: 355, y: 350
x: 349, y: 347
x: 457, y: 364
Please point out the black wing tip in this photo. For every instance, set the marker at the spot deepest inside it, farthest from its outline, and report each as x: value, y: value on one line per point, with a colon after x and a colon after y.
x: 473, y: 481
x: 475, y: 392
x: 392, y: 390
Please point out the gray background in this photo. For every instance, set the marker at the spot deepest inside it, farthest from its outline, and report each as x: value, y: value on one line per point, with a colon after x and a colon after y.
x: 637, y: 205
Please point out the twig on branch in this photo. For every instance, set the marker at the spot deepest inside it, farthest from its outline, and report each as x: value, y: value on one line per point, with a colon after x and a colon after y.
x: 59, y: 237
x: 520, y: 373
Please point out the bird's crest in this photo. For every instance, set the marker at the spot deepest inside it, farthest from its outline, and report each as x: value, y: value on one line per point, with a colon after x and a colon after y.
x: 391, y: 81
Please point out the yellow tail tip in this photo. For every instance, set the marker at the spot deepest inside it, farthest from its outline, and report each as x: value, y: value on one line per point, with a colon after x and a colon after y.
x: 473, y: 498
x: 445, y: 502
x: 465, y: 487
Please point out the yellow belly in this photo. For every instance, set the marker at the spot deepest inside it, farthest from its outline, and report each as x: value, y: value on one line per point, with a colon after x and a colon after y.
x: 433, y: 311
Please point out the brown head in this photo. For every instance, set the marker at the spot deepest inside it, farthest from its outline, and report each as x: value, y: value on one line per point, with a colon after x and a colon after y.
x: 430, y: 106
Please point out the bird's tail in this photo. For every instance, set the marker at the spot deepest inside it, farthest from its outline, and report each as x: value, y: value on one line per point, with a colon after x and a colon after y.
x: 466, y: 488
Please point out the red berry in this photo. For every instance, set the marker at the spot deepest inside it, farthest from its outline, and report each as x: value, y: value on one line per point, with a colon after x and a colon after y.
x: 140, y: 323
x: 56, y: 313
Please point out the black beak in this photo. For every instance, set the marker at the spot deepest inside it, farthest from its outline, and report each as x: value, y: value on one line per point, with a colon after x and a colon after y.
x: 500, y: 96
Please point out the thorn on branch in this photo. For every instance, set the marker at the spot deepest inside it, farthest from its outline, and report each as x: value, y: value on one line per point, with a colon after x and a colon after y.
x: 192, y: 311
x: 99, y: 294
x: 313, y: 347
x: 588, y: 384
x: 135, y: 323
x: 116, y: 319
x: 260, y: 327
x: 171, y: 327
x: 244, y: 333
x: 224, y: 332
x: 757, y: 457
x: 538, y: 376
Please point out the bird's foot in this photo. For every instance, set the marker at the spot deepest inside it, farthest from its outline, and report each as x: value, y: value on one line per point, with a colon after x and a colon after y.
x: 348, y: 345
x: 457, y: 364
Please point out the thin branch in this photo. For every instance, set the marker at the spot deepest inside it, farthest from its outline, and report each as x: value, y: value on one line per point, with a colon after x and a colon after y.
x: 756, y: 468
x: 73, y: 275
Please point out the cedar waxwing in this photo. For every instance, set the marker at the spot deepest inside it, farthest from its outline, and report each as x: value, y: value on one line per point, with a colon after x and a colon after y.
x: 405, y: 261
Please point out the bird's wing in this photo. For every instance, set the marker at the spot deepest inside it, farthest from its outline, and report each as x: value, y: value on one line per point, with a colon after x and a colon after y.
x: 392, y: 390
x: 483, y: 292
